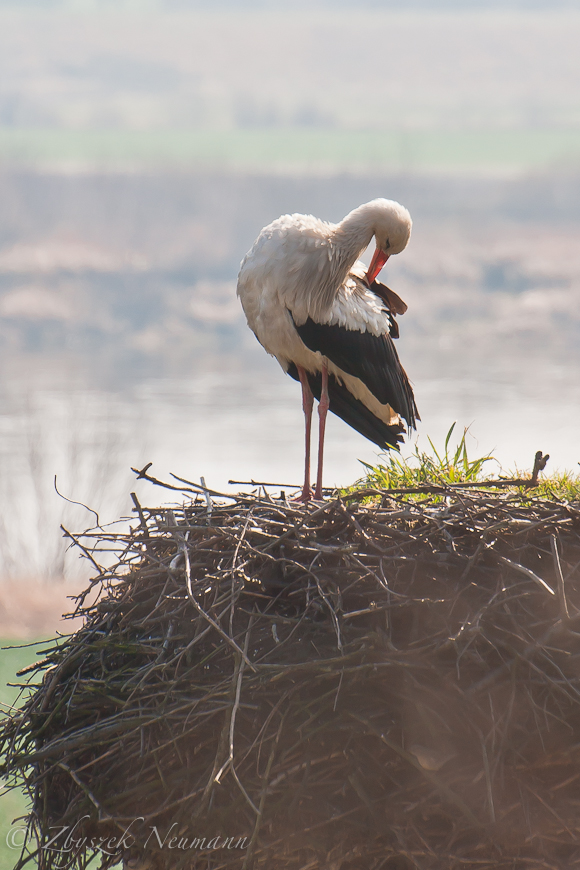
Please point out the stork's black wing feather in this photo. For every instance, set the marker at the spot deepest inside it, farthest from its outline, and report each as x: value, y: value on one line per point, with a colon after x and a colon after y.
x: 371, y: 358
x: 352, y: 411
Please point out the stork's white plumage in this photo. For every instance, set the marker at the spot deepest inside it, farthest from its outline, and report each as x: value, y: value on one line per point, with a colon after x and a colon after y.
x: 330, y: 325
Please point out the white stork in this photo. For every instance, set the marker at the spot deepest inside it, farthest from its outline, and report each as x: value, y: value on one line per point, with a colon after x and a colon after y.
x: 330, y: 325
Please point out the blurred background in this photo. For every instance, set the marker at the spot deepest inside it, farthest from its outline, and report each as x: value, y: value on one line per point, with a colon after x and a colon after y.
x: 144, y: 144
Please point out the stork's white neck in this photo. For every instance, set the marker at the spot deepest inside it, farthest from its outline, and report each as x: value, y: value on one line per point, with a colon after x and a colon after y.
x: 353, y: 234
x: 384, y: 219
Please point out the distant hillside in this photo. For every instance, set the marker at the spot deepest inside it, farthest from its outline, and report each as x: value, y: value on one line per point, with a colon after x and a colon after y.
x: 137, y: 272
x: 267, y: 66
x: 292, y: 150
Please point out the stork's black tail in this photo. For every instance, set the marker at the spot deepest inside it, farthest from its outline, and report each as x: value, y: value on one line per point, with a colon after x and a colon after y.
x: 352, y: 411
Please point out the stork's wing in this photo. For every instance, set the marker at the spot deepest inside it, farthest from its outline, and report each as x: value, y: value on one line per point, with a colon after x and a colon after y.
x: 353, y: 411
x: 393, y: 302
x: 371, y: 358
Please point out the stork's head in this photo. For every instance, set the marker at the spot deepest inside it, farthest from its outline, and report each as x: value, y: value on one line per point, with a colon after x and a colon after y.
x: 391, y: 225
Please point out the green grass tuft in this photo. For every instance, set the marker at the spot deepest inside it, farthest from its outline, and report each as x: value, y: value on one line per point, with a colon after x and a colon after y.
x: 561, y: 486
x: 440, y: 467
x: 453, y: 465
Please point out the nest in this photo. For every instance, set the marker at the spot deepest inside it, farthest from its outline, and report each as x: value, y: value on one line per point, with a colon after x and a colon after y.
x: 382, y: 686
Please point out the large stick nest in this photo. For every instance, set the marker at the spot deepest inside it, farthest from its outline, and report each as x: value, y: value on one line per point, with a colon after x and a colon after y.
x: 383, y: 686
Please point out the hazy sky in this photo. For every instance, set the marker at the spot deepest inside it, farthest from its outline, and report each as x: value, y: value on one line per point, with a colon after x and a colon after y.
x: 400, y: 5
x: 363, y: 68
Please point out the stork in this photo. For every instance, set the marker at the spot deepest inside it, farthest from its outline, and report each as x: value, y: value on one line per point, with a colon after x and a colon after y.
x: 315, y: 307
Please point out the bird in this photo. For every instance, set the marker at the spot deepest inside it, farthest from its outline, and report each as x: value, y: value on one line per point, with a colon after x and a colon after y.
x: 330, y: 324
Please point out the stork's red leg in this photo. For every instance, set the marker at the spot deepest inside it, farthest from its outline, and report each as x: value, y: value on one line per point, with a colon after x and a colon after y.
x: 307, y: 403
x: 323, y: 406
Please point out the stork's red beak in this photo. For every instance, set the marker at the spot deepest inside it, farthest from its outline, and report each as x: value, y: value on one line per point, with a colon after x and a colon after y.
x: 378, y: 261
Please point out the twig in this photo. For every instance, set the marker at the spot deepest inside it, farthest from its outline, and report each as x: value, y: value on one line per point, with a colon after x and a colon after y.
x: 229, y: 640
x: 207, y: 494
x: 202, y: 488
x: 81, y: 547
x: 564, y: 615
x: 230, y: 760
x: 238, y: 674
x: 526, y: 571
x: 194, y: 488
x: 139, y: 510
x: 267, y: 483
x: 80, y: 503
x: 539, y: 465
x: 103, y: 814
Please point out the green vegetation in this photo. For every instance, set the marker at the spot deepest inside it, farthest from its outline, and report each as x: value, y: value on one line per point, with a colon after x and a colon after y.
x: 448, y: 466
x: 293, y: 149
x: 563, y: 486
x: 451, y: 466
x: 12, y: 803
x: 13, y: 806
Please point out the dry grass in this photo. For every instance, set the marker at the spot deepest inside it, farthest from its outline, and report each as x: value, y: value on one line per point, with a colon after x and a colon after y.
x: 383, y: 686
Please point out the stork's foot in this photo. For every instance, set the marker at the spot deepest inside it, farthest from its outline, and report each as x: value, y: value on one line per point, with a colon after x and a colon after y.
x: 305, y: 496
